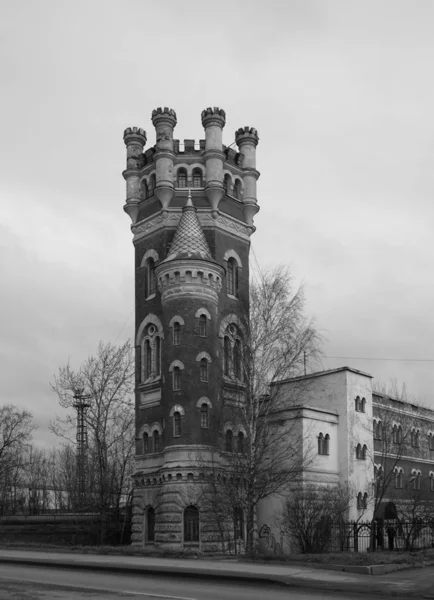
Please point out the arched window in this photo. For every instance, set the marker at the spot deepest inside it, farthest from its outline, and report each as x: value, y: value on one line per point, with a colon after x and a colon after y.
x: 232, y: 277
x: 145, y: 190
x: 359, y: 501
x: 176, y: 423
x: 150, y: 524
x: 365, y: 500
x: 148, y: 359
x: 357, y: 403
x: 176, y: 333
x: 158, y: 356
x: 361, y: 451
x: 399, y: 478
x: 416, y: 481
x: 326, y: 444
x: 176, y: 375
x: 149, y: 277
x: 182, y: 178
x: 320, y: 443
x: 156, y: 438
x: 240, y: 443
x: 227, y: 354
x: 197, y: 178
x: 228, y: 439
x: 364, y: 451
x: 238, y: 523
x: 237, y: 359
x: 203, y: 369
x: 363, y: 405
x: 152, y: 185
x: 191, y: 524
x: 202, y: 325
x: 204, y: 416
x: 227, y: 184
x: 237, y: 189
x: 431, y: 480
x: 145, y: 443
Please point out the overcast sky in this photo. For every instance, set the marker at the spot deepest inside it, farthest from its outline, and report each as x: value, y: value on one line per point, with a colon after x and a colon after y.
x: 342, y: 95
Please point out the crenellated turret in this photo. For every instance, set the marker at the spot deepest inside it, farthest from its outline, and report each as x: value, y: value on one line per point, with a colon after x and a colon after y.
x: 135, y: 141
x: 213, y: 121
x: 164, y: 121
x: 247, y: 139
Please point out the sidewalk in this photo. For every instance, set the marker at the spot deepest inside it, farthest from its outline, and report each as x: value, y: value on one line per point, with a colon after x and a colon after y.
x: 415, y: 582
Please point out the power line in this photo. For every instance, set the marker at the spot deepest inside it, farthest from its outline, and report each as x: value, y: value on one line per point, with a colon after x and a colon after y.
x: 388, y: 359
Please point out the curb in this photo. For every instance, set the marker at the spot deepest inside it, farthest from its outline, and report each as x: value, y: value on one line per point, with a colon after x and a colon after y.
x: 365, y: 587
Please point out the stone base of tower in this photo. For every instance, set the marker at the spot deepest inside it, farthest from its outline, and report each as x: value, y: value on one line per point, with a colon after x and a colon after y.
x: 169, y: 500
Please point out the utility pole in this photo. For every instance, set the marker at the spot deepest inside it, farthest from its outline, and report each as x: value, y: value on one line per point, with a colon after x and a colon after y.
x: 82, y: 446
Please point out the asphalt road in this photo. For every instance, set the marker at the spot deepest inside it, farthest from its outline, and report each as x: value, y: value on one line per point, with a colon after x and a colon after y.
x: 21, y: 582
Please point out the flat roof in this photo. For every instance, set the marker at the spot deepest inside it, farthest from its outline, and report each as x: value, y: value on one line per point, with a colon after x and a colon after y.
x: 322, y: 373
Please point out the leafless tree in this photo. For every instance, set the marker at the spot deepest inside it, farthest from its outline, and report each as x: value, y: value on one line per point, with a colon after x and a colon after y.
x: 107, y: 380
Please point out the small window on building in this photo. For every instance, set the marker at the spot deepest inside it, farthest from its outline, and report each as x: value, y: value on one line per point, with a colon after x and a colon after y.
x: 145, y: 190
x: 361, y: 451
x: 359, y: 501
x: 416, y: 481
x: 148, y: 359
x: 240, y: 443
x: 431, y: 441
x: 197, y: 178
x: 326, y: 444
x: 182, y: 178
x: 150, y: 280
x: 323, y: 444
x: 227, y: 184
x: 227, y: 355
x: 202, y: 325
x: 431, y: 480
x: 191, y: 524
x: 203, y: 369
x: 152, y: 185
x: 237, y: 359
x: 232, y: 277
x: 156, y: 437
x: 150, y: 524
x: 176, y: 424
x: 204, y: 416
x: 237, y: 189
x: 145, y: 443
x: 176, y: 333
x: 238, y: 523
x: 176, y: 374
x: 158, y: 356
x: 228, y: 440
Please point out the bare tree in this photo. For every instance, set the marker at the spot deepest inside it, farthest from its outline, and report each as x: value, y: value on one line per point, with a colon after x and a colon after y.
x: 267, y: 453
x: 107, y: 379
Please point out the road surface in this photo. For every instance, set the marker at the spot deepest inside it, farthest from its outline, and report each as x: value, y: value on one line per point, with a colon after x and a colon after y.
x: 22, y: 582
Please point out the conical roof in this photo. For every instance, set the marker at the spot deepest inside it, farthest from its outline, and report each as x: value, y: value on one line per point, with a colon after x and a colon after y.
x: 189, y: 240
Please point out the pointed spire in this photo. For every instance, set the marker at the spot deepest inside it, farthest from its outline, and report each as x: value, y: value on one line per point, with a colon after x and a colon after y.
x: 189, y: 240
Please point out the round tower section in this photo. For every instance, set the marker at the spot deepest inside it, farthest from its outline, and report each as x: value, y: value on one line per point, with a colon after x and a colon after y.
x: 247, y: 139
x: 213, y: 121
x: 135, y: 141
x: 164, y: 121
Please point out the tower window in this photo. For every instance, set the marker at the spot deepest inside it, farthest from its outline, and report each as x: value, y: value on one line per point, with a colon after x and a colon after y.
x: 237, y: 189
x: 176, y: 378
x: 228, y: 439
x: 156, y: 437
x: 150, y: 524
x: 232, y: 277
x: 150, y: 283
x: 238, y: 523
x: 323, y: 444
x: 191, y: 524
x: 176, y: 423
x: 152, y: 185
x: 202, y: 325
x: 227, y: 353
x: 204, y: 416
x: 182, y: 178
x: 203, y: 369
x: 158, y: 356
x: 237, y: 359
x: 145, y: 190
x: 240, y: 443
x: 227, y: 183
x: 176, y: 333
x: 197, y: 178
x: 148, y: 359
x: 145, y: 443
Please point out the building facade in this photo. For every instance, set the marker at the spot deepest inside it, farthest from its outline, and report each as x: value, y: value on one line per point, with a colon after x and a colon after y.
x: 192, y: 207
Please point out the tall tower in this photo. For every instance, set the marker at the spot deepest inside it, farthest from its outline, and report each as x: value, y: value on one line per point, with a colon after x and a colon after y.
x: 192, y: 208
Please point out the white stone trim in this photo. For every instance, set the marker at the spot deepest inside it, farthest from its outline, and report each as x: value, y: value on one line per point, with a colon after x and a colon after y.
x: 232, y: 254
x: 144, y: 429
x: 228, y: 425
x: 151, y: 318
x: 202, y: 311
x: 150, y: 399
x: 156, y: 427
x: 226, y: 321
x: 203, y: 354
x: 151, y: 253
x: 176, y: 363
x: 176, y: 319
x: 177, y: 408
x: 203, y: 400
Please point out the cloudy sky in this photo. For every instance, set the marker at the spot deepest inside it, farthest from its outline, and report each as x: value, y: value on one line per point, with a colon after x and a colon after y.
x: 342, y: 95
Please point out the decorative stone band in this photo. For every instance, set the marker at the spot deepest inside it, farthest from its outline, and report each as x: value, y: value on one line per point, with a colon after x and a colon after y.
x: 189, y: 278
x: 223, y: 221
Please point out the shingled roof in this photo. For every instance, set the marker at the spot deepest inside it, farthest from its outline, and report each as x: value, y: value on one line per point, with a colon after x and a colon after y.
x: 189, y: 240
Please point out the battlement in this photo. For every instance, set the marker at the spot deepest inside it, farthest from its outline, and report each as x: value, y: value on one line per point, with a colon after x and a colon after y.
x: 246, y: 133
x: 233, y: 157
x: 135, y: 134
x: 213, y: 114
x: 164, y: 113
x: 188, y: 146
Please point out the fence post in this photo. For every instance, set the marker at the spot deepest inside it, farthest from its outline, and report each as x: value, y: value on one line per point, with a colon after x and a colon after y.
x: 356, y: 538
